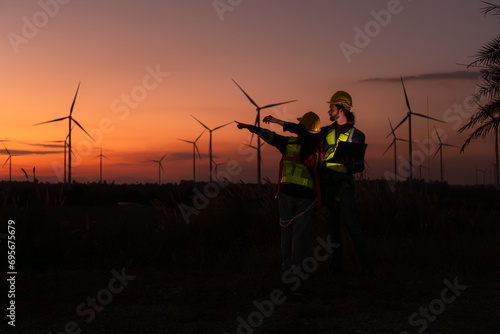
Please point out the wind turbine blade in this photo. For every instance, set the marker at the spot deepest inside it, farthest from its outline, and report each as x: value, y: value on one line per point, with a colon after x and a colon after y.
x: 401, y: 139
x: 277, y: 104
x: 6, y: 161
x: 404, y: 119
x: 439, y: 138
x: 54, y: 120
x: 450, y: 145
x: 406, y: 96
x: 389, y: 147
x: 425, y: 116
x: 200, y: 123
x: 6, y: 149
x: 65, y: 140
x: 161, y: 167
x: 82, y: 128
x: 73, y: 104
x: 199, y: 136
x: 222, y: 126
x: 154, y: 161
x: 248, y: 97
x: 197, y: 150
x: 439, y: 148
x: 163, y: 157
x: 392, y: 129
x: 187, y: 141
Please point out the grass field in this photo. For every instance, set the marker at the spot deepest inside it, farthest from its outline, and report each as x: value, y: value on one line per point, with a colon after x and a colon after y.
x: 220, y: 273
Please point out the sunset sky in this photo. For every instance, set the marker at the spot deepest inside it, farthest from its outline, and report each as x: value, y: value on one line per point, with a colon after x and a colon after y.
x: 146, y: 66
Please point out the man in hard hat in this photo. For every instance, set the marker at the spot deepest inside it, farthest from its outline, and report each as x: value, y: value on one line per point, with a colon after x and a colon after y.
x: 297, y: 186
x: 337, y: 181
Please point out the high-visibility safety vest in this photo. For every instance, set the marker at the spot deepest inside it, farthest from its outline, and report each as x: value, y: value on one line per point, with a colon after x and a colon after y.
x: 293, y: 171
x: 331, y: 147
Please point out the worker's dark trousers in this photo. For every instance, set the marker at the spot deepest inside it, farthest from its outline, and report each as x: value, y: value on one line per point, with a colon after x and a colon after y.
x: 295, y: 239
x: 340, y: 201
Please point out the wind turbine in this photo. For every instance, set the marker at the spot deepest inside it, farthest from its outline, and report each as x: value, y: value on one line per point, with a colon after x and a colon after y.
x: 484, y: 175
x: 194, y: 153
x: 493, y: 171
x: 440, y: 149
x: 420, y: 166
x: 477, y: 170
x: 70, y: 119
x: 217, y: 165
x: 160, y: 167
x: 9, y: 160
x: 408, y: 116
x: 257, y: 123
x: 394, y: 140
x: 100, y: 156
x: 65, y: 143
x: 210, y: 143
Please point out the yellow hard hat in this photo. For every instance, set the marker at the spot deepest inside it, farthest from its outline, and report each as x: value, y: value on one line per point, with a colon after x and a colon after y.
x: 311, y: 122
x: 341, y: 97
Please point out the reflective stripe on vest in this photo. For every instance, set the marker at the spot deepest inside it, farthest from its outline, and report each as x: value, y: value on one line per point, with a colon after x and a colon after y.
x: 293, y: 170
x: 331, y: 147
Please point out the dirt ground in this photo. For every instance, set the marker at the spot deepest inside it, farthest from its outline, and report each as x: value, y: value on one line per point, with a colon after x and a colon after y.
x: 157, y: 300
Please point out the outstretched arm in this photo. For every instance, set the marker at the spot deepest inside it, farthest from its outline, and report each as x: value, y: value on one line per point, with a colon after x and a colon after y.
x: 287, y: 126
x: 268, y: 136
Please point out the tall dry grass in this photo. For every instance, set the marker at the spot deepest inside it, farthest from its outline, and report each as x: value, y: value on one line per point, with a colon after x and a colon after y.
x: 83, y: 226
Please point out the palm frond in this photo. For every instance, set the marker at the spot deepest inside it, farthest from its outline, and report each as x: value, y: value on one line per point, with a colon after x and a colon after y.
x: 481, y: 132
x: 487, y: 113
x: 491, y: 9
x: 489, y: 54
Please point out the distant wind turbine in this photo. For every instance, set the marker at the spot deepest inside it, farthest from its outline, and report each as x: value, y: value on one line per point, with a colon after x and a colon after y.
x: 216, y: 166
x: 100, y: 156
x: 195, y: 147
x: 70, y: 119
x: 65, y: 143
x: 160, y: 167
x: 493, y: 171
x: 440, y: 149
x: 408, y: 116
x: 484, y: 175
x: 257, y: 123
x: 9, y: 160
x: 394, y: 140
x: 420, y: 166
x: 210, y: 143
